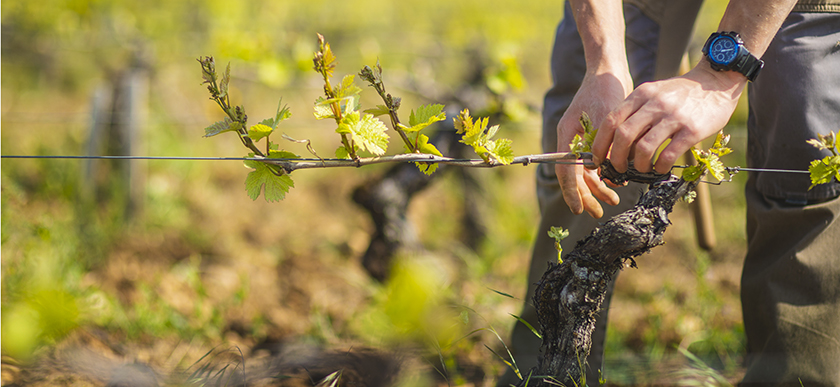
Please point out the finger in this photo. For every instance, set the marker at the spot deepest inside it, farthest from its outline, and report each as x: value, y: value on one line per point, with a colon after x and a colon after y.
x: 590, y: 203
x: 600, y: 190
x: 602, y: 142
x: 646, y: 147
x: 568, y: 186
x: 621, y: 128
x: 593, y: 208
x: 680, y: 143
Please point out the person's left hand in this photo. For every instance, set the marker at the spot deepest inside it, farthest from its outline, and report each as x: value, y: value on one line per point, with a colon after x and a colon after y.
x: 684, y: 109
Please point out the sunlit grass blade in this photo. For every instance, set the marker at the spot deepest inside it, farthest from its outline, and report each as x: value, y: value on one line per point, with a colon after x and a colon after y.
x: 531, y: 327
x: 501, y: 293
x: 330, y: 380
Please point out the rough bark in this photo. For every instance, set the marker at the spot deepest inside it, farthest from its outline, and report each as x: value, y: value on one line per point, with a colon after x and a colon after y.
x: 569, y: 295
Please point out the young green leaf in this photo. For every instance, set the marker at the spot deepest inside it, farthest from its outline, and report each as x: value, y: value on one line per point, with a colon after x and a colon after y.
x: 323, y: 109
x: 276, y: 182
x: 259, y: 131
x: 324, y: 58
x: 379, y: 110
x: 709, y: 160
x: 826, y: 142
x: 226, y: 125
x: 367, y: 131
x: 479, y: 136
x: 824, y: 171
x: 347, y: 88
x: 692, y: 172
x: 282, y: 114
x: 424, y: 146
x: 342, y: 153
x: 828, y: 169
x: 224, y: 83
x: 558, y: 234
x: 581, y: 144
x: 501, y: 150
x: 425, y: 116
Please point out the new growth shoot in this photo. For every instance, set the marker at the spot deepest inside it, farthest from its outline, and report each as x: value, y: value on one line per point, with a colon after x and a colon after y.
x: 360, y: 131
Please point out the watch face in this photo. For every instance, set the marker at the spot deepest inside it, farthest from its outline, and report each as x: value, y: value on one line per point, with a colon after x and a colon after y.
x: 723, y: 50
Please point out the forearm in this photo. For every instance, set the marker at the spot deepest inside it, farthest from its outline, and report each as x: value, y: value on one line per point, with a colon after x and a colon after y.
x: 757, y: 22
x: 600, y: 24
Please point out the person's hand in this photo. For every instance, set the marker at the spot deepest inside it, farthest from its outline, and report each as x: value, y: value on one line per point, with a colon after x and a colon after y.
x: 684, y: 109
x: 597, y: 96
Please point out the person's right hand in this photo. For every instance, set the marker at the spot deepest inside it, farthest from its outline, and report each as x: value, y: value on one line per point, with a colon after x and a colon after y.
x: 598, y: 95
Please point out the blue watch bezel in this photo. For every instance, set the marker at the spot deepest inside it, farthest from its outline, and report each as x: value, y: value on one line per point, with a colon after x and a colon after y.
x: 719, y: 40
x: 743, y: 60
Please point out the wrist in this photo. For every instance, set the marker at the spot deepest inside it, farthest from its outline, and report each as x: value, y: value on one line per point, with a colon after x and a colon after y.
x: 725, y: 80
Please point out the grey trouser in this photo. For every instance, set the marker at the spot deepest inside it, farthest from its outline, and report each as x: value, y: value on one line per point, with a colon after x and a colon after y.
x: 792, y: 271
x: 790, y: 285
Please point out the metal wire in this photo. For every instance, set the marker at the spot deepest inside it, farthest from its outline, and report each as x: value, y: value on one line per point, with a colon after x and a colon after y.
x: 731, y: 170
x: 75, y: 157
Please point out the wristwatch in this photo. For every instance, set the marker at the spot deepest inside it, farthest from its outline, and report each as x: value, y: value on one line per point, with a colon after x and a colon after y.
x: 726, y: 52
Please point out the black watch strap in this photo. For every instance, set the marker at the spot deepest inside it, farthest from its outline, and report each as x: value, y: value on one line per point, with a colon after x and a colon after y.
x: 745, y: 63
x: 750, y: 66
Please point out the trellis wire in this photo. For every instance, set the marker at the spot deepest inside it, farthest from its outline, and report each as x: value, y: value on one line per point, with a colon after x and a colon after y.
x: 291, y: 164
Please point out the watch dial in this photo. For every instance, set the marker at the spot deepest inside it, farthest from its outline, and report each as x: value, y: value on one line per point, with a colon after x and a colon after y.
x: 723, y: 50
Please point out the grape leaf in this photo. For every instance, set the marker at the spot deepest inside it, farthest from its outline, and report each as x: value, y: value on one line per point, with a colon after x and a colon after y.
x: 324, y: 58
x: 268, y: 125
x: 826, y: 142
x: 424, y: 146
x: 347, y: 88
x: 367, y: 131
x: 692, y: 172
x: 323, y: 109
x: 342, y: 153
x: 259, y: 131
x: 479, y: 136
x: 226, y: 125
x: 323, y: 106
x: 824, y: 171
x: 501, y: 150
x: 223, y: 84
x: 424, y: 116
x: 558, y: 234
x: 276, y: 182
x: 581, y: 144
x: 379, y: 110
x: 282, y: 114
x: 719, y: 148
x: 709, y: 160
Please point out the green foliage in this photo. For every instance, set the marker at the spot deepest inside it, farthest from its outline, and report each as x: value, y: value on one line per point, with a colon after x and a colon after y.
x: 367, y: 132
x: 422, y: 118
x: 424, y: 146
x: 276, y: 182
x: 558, y: 234
x: 480, y: 137
x: 828, y: 169
x: 581, y: 144
x: 222, y: 126
x: 360, y: 132
x: 506, y: 75
x: 414, y: 141
x: 45, y: 315
x: 268, y: 125
x: 709, y: 160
